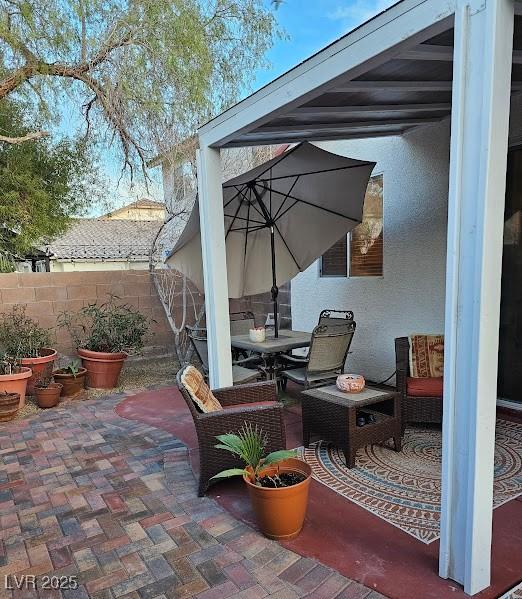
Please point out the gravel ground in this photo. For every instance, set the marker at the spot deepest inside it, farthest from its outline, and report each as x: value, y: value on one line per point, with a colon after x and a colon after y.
x: 137, y: 374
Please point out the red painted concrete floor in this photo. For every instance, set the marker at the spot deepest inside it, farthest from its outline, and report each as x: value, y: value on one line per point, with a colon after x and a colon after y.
x: 339, y: 533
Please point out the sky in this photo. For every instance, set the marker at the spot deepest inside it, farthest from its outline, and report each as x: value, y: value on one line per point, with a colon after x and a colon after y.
x: 310, y: 25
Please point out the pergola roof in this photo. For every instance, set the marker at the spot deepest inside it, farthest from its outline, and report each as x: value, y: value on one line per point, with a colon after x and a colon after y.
x: 338, y: 94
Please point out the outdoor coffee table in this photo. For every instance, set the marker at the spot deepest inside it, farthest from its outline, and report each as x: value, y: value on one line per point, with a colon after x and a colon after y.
x: 331, y: 415
x: 272, y: 347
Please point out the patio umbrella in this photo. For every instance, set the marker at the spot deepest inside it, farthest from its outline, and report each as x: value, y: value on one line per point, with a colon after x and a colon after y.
x: 279, y: 218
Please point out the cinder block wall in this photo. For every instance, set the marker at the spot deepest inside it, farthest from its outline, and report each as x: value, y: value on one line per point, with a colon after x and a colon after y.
x: 46, y: 295
x: 261, y: 305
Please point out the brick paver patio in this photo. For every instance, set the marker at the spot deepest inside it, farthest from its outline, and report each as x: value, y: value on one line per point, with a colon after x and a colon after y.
x: 86, y: 493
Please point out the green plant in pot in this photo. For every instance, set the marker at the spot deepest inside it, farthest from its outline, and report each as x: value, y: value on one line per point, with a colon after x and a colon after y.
x: 277, y: 483
x: 72, y: 378
x: 47, y: 392
x: 23, y: 337
x: 13, y: 386
x: 105, y: 335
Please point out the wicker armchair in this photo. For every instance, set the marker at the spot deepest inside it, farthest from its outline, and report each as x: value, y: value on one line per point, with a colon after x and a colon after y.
x: 247, y: 408
x: 243, y: 370
x: 329, y: 347
x: 426, y: 410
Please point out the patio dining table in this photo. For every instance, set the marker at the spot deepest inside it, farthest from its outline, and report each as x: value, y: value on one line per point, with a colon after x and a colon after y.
x: 272, y: 347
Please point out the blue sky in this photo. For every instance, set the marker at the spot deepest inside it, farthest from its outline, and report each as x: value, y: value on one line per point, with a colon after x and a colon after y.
x: 313, y: 24
x: 310, y: 25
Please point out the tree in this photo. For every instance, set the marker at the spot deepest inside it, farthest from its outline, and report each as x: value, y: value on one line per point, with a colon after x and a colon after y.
x: 146, y: 72
x: 42, y: 185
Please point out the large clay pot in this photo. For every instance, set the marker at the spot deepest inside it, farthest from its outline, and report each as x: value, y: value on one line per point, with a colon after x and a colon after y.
x: 71, y: 385
x: 9, y: 403
x: 48, y: 397
x: 280, y: 513
x: 42, y: 367
x: 16, y: 383
x: 103, y: 369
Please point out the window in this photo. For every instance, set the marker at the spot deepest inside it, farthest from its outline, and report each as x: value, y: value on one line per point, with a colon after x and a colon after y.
x: 334, y: 262
x: 362, y: 250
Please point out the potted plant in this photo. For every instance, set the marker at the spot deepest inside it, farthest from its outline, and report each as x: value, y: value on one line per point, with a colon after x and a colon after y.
x: 9, y: 403
x: 47, y: 393
x: 71, y: 377
x: 104, y: 336
x: 278, y: 483
x: 22, y: 336
x: 14, y: 377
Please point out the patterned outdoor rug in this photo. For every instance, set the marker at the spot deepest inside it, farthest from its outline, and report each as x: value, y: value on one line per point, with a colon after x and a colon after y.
x: 404, y: 488
x: 515, y: 593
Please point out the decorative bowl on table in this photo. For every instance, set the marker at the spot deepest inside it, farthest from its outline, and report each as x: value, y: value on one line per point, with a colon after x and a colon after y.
x: 350, y: 383
x: 257, y: 335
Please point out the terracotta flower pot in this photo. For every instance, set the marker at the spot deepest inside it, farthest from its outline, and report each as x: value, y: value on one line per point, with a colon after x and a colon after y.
x: 71, y: 385
x: 42, y: 366
x: 103, y: 369
x: 48, y: 397
x: 16, y: 383
x: 280, y: 512
x: 9, y: 403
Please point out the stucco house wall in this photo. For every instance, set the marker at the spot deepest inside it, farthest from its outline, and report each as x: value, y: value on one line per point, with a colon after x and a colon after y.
x: 93, y: 265
x: 410, y: 296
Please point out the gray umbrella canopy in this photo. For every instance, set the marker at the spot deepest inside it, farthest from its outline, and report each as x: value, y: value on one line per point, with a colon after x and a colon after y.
x: 279, y: 218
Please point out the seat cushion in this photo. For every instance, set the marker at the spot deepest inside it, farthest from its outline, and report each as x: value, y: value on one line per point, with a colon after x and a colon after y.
x: 253, y: 404
x: 199, y: 391
x: 426, y: 387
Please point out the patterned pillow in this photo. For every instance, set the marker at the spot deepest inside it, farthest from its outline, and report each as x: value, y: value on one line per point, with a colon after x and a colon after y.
x: 199, y: 391
x: 426, y: 356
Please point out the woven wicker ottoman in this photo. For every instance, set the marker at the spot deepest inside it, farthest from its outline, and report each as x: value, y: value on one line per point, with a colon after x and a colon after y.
x: 331, y: 415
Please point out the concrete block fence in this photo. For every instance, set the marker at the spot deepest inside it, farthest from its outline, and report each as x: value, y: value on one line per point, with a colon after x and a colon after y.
x: 47, y: 294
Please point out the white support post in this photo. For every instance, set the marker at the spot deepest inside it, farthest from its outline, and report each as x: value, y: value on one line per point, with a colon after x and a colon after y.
x: 213, y: 250
x: 479, y: 144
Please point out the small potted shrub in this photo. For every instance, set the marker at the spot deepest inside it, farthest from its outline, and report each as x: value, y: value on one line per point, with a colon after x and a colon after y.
x: 14, y: 377
x: 47, y: 393
x: 72, y: 378
x: 9, y: 403
x: 104, y: 336
x: 278, y: 483
x: 22, y: 336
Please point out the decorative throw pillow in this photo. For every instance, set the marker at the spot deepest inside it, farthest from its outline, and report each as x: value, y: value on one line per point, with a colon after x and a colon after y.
x: 426, y: 356
x: 199, y: 391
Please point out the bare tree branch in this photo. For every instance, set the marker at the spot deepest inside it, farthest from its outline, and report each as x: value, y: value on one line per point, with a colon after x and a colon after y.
x: 19, y: 140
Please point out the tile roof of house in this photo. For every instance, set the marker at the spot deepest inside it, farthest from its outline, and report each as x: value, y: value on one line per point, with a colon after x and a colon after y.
x: 100, y: 239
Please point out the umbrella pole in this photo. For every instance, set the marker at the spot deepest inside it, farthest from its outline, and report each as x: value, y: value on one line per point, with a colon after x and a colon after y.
x: 274, y: 290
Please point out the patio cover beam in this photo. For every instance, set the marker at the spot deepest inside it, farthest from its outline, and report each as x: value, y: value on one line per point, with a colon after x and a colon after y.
x: 442, y: 53
x: 479, y: 145
x: 347, y: 127
x: 345, y: 111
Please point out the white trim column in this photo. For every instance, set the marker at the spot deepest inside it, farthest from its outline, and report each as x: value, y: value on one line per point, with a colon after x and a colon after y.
x: 479, y: 144
x: 212, y: 225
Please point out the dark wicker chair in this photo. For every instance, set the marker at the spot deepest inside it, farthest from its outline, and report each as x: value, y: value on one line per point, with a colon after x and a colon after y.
x: 425, y: 410
x: 268, y: 417
x: 329, y: 347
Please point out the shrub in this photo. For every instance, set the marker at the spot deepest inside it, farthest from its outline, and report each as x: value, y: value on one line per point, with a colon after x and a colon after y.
x: 108, y: 327
x: 21, y: 336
